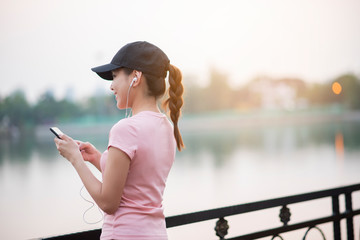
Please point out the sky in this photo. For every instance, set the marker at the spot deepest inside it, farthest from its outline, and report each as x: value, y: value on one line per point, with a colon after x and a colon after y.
x: 52, y: 44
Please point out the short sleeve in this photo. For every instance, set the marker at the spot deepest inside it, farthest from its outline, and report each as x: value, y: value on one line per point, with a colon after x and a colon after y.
x: 123, y: 136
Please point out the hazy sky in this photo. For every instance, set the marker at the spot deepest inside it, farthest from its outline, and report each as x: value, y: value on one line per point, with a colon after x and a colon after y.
x: 52, y: 44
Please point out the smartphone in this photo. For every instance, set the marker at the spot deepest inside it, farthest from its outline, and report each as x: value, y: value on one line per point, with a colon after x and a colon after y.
x: 56, y: 131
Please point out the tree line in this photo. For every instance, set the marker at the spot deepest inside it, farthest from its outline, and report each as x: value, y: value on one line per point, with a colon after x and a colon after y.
x: 15, y: 110
x: 218, y: 95
x: 260, y: 93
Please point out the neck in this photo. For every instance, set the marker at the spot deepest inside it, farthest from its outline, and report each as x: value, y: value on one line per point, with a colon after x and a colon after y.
x: 144, y: 103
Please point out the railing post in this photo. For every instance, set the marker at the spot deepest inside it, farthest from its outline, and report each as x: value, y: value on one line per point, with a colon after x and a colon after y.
x: 221, y: 228
x: 285, y: 215
x: 349, y: 220
x: 336, y: 212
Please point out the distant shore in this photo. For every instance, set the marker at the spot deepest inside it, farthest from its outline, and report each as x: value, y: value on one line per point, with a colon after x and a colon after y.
x: 229, y: 120
x: 236, y: 120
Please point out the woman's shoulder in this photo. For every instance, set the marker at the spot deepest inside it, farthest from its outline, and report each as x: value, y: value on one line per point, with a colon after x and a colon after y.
x: 125, y: 125
x: 138, y: 121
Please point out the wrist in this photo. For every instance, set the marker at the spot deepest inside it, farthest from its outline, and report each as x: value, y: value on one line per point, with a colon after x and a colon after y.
x: 76, y: 161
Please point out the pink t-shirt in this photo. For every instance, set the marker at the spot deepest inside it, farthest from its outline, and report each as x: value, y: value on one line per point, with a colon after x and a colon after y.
x: 148, y: 139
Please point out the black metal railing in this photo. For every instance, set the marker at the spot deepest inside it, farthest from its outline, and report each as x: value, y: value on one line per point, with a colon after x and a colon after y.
x: 221, y: 227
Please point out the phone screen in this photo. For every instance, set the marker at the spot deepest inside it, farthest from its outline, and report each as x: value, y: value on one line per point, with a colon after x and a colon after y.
x: 56, y: 131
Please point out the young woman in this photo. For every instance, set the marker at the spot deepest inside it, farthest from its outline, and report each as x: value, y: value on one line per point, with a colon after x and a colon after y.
x: 141, y: 148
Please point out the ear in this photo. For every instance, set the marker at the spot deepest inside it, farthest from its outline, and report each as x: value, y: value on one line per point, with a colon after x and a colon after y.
x: 138, y: 75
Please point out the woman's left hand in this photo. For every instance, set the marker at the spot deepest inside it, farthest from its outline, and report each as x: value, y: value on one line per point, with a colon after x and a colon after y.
x: 68, y: 148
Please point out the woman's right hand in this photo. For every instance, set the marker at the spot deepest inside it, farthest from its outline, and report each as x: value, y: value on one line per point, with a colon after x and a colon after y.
x: 89, y: 152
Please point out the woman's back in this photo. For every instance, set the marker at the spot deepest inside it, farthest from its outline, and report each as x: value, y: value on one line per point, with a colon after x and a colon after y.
x: 148, y: 139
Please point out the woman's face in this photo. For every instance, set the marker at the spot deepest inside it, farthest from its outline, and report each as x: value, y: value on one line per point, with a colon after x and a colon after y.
x: 120, y: 86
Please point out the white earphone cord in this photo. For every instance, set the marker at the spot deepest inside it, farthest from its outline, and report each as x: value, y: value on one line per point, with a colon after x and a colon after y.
x: 92, y: 205
x: 127, y: 97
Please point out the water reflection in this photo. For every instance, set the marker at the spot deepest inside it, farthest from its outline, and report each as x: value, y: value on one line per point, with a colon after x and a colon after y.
x: 272, y: 139
x: 220, y: 144
x: 258, y: 161
x: 16, y: 151
x: 339, y: 146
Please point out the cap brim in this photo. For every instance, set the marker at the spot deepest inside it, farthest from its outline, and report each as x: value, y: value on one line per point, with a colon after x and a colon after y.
x: 104, y: 71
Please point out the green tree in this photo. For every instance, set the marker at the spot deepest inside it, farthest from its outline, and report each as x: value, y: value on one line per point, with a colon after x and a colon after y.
x: 47, y: 109
x: 2, y: 108
x: 350, y: 94
x: 322, y: 94
x: 17, y: 109
x: 101, y: 105
x: 68, y: 109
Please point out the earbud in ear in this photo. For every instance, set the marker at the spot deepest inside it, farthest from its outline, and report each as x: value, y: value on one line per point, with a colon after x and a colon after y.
x: 132, y: 82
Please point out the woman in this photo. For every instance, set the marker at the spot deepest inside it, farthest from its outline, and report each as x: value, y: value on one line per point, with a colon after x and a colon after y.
x: 141, y: 148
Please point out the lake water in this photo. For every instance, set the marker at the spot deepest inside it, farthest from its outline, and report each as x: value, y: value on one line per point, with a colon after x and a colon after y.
x: 40, y: 190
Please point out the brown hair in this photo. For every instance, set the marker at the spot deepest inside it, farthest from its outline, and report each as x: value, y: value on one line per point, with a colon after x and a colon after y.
x: 175, y: 102
x: 157, y: 86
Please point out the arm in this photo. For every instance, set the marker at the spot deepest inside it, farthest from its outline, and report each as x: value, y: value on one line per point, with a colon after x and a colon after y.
x: 107, y: 194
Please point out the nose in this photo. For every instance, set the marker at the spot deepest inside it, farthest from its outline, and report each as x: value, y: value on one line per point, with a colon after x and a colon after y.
x: 111, y: 87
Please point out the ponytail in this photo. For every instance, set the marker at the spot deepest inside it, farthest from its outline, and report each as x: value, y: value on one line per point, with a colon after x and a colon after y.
x: 175, y: 102
x: 156, y: 87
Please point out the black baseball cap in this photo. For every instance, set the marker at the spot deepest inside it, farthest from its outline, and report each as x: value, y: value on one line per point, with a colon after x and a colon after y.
x: 141, y: 56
